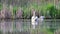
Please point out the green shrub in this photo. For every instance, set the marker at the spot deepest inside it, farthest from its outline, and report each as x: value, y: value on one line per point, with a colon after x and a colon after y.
x: 53, y: 11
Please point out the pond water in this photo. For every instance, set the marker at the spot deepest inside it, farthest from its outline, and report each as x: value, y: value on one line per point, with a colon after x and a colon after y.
x: 24, y: 25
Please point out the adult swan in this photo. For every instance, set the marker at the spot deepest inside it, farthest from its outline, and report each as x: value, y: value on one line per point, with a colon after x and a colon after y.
x: 34, y: 20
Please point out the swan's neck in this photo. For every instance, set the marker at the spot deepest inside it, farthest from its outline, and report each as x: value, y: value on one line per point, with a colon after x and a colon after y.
x: 34, y: 14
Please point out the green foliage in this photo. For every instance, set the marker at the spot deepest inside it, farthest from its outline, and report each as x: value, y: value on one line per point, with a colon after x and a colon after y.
x: 47, y: 9
x: 0, y: 6
x: 14, y: 10
x: 26, y: 12
x: 53, y: 11
x: 44, y: 9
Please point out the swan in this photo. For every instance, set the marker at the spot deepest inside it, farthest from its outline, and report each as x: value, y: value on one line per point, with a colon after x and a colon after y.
x: 41, y: 18
x: 34, y: 20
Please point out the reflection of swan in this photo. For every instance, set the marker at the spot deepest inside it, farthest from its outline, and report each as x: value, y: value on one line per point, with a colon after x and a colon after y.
x: 34, y: 20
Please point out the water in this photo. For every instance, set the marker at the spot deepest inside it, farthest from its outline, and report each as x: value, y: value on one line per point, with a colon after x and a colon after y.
x: 24, y: 25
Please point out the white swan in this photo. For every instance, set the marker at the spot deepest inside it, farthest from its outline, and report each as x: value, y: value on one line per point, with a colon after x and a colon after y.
x: 34, y: 20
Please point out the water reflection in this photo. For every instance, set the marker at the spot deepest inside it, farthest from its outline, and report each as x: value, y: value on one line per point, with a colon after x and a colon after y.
x: 25, y: 24
x: 6, y: 25
x: 14, y: 25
